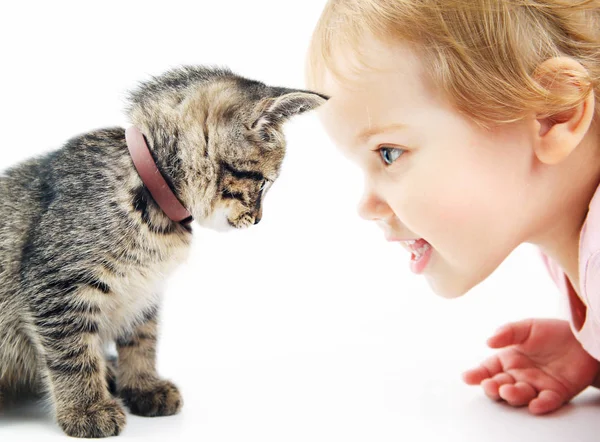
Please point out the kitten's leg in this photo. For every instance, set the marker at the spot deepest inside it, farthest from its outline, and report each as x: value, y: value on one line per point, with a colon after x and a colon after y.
x: 139, y: 385
x: 75, y: 367
x: 111, y: 374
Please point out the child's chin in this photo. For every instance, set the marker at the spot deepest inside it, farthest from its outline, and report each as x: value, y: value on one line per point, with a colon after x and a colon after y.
x: 448, y: 289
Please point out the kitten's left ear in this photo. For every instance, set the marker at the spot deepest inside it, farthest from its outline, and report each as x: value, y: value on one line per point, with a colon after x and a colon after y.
x: 278, y: 110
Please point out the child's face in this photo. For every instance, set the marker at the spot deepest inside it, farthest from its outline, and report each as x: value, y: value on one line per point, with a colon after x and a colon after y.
x: 464, y: 190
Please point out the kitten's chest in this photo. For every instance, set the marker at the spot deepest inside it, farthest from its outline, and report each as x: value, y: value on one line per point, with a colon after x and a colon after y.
x: 138, y: 287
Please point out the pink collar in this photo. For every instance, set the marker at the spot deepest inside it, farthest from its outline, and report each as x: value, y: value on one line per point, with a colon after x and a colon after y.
x: 152, y: 178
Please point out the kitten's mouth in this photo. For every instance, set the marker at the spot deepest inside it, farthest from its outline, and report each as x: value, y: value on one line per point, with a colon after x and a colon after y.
x: 221, y: 221
x: 244, y: 221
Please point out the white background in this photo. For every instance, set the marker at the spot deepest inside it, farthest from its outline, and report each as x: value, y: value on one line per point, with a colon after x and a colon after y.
x: 309, y: 326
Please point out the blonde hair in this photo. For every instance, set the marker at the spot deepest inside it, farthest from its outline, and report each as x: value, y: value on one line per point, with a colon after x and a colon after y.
x: 483, y: 54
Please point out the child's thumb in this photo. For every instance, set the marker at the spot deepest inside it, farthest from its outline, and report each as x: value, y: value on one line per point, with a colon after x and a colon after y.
x: 511, y: 334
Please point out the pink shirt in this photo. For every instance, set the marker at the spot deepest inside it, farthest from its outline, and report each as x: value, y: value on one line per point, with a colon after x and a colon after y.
x: 585, y: 311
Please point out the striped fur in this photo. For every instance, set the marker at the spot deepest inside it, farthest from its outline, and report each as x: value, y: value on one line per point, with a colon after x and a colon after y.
x: 85, y: 250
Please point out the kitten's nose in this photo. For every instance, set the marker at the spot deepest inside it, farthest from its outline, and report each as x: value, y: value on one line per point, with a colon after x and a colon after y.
x: 258, y: 215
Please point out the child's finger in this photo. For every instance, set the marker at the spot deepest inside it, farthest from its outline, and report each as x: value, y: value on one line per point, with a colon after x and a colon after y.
x: 476, y: 375
x: 518, y: 394
x: 491, y: 387
x: 546, y: 402
x: 489, y: 368
x: 511, y: 334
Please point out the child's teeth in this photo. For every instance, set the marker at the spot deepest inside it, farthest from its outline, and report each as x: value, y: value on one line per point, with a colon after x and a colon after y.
x: 421, y: 250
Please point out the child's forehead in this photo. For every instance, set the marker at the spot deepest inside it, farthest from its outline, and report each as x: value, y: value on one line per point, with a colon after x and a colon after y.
x: 394, y: 94
x: 372, y: 63
x: 394, y: 77
x: 354, y: 114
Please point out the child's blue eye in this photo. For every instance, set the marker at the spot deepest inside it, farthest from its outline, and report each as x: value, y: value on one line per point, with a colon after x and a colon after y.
x: 390, y: 154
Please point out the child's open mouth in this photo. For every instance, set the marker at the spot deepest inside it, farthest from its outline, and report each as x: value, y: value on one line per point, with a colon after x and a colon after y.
x: 420, y: 253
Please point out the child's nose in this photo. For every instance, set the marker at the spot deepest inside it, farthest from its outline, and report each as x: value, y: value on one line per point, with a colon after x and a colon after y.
x: 372, y: 208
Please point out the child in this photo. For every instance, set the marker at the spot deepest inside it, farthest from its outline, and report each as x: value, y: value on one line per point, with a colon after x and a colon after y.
x: 475, y: 123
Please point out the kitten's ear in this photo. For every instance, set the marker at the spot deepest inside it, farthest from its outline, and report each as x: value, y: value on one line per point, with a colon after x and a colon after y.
x: 278, y: 110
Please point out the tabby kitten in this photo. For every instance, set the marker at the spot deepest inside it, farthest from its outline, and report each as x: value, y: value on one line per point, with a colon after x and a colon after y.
x: 84, y: 246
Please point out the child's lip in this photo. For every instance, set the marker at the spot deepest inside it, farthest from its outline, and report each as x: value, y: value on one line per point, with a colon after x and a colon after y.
x: 419, y: 249
x: 410, y: 244
x: 397, y: 239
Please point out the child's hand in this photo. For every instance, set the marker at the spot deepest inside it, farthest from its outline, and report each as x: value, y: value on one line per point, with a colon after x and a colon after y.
x: 544, y: 367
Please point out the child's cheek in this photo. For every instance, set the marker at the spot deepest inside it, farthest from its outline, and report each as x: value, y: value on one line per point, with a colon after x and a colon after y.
x: 452, y: 214
x: 444, y: 204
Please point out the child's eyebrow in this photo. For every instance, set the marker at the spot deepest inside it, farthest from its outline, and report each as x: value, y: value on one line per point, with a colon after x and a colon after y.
x: 364, y: 135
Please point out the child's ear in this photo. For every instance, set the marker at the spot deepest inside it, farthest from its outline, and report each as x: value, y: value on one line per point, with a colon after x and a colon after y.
x: 559, y: 134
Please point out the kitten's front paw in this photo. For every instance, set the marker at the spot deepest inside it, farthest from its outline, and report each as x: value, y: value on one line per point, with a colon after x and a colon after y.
x: 158, y: 399
x: 101, y: 419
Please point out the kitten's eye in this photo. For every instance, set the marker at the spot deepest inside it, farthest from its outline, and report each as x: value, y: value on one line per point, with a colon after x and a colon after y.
x: 390, y: 154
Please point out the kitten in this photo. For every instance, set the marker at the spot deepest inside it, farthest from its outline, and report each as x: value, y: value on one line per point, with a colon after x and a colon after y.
x: 85, y: 244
